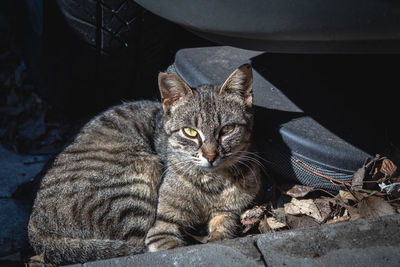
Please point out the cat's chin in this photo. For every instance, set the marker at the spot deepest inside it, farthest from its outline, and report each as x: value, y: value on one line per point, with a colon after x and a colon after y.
x: 205, y: 166
x: 212, y: 168
x: 209, y: 168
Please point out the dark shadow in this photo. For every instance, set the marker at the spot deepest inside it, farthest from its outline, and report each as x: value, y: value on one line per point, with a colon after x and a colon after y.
x: 269, y: 144
x: 275, y: 118
x: 352, y: 96
x: 78, y: 79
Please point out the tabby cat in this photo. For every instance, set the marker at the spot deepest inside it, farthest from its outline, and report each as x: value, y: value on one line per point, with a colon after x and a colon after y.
x: 141, y: 175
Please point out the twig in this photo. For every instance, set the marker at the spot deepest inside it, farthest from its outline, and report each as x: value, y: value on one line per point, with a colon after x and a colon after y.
x: 340, y: 219
x: 325, y: 191
x: 393, y: 200
x: 328, y: 217
x: 320, y: 174
x: 347, y: 185
x: 372, y: 192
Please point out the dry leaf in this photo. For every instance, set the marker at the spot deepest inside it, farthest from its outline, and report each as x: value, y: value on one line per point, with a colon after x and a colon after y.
x: 388, y: 167
x: 324, y: 207
x: 374, y: 206
x: 303, y: 206
x: 37, y: 258
x: 384, y: 169
x: 252, y: 217
x: 346, y: 196
x: 297, y: 190
x: 274, y: 224
x: 264, y: 227
x: 358, y: 178
x: 295, y: 222
x: 279, y: 214
x: 370, y: 167
x: 354, y: 213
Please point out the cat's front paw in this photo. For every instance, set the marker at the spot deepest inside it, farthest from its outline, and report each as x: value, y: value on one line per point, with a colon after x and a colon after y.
x: 162, y: 244
x: 215, y: 236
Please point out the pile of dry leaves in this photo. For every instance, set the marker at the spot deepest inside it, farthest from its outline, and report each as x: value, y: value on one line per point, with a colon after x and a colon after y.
x: 28, y: 124
x: 373, y: 191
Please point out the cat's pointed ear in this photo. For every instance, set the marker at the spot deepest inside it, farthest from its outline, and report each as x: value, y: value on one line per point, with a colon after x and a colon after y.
x: 240, y: 83
x: 171, y: 89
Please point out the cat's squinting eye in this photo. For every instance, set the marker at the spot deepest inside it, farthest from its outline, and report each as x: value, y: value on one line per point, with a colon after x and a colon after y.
x: 227, y: 129
x: 190, y: 132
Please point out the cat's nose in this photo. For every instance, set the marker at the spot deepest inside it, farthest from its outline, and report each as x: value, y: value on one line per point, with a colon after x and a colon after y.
x: 210, y: 157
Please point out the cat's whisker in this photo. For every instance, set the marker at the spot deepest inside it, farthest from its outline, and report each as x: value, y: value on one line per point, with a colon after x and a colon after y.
x: 164, y: 172
x: 252, y: 160
x: 179, y: 165
x: 262, y: 167
x: 246, y: 165
x: 255, y: 154
x: 179, y: 162
x: 244, y: 155
x: 254, y: 175
x: 237, y: 170
x: 188, y: 169
x: 255, y: 161
x: 183, y: 168
x: 244, y: 158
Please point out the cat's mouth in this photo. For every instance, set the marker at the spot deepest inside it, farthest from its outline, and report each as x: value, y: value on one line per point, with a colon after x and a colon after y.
x: 208, y: 166
x: 218, y: 163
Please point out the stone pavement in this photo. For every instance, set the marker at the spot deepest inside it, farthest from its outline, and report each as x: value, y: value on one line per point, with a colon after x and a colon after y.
x: 15, y: 170
x: 368, y: 242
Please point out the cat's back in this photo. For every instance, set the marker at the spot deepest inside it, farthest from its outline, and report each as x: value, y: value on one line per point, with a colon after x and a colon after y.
x: 113, y: 142
x: 104, y: 184
x: 132, y: 122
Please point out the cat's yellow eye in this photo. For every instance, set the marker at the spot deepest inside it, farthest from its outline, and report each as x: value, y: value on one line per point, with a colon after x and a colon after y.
x: 190, y: 132
x: 227, y: 129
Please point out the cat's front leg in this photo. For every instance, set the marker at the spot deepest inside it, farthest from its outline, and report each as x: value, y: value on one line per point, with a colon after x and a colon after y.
x: 222, y: 225
x: 172, y: 217
x: 165, y: 234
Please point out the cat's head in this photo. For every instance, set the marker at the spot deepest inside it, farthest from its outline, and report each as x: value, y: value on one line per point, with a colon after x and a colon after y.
x: 209, y: 126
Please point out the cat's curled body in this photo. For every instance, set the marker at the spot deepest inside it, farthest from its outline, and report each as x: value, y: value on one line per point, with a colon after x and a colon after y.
x: 141, y: 174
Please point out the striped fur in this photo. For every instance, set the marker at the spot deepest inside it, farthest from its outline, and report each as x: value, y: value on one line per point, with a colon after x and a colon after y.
x: 104, y: 195
x: 99, y: 198
x: 194, y: 193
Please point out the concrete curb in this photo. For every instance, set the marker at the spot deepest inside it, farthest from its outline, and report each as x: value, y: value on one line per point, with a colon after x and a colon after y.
x: 368, y: 242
